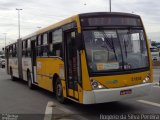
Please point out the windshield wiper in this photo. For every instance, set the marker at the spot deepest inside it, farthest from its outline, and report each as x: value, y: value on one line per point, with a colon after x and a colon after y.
x: 125, y: 47
x: 126, y: 43
x: 110, y: 43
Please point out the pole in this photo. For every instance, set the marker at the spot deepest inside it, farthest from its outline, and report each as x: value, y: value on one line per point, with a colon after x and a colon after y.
x: 110, y: 5
x: 19, y: 24
x: 19, y: 30
x: 5, y: 34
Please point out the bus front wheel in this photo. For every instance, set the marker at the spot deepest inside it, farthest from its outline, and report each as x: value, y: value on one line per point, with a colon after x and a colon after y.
x: 59, y: 91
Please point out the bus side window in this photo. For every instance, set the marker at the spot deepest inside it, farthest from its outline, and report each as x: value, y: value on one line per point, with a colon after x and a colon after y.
x: 39, y: 52
x: 10, y: 51
x: 23, y: 48
x: 23, y: 53
x: 45, y: 46
x: 57, y: 43
x: 50, y: 44
x: 38, y: 48
x: 39, y: 41
x: 29, y: 43
x: 50, y: 52
x: 45, y: 50
x: 28, y: 53
x: 57, y: 49
x: 45, y: 39
x: 28, y: 48
x: 14, y: 51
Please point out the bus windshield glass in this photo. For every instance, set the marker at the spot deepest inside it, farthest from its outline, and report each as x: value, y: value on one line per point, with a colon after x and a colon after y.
x: 116, y: 49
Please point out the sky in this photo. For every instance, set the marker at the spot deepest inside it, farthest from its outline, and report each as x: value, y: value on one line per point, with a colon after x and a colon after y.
x: 41, y: 13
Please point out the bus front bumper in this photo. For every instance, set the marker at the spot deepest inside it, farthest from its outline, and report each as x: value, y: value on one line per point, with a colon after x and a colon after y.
x: 110, y: 95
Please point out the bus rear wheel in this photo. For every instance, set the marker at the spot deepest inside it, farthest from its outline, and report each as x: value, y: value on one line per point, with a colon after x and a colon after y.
x: 29, y: 81
x: 59, y: 91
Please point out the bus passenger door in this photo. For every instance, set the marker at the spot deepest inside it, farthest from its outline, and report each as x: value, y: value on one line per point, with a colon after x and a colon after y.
x: 71, y: 71
x: 33, y: 60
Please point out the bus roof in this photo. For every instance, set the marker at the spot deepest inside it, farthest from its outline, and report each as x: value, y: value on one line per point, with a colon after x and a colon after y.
x: 53, y: 26
x: 108, y: 14
x: 73, y: 18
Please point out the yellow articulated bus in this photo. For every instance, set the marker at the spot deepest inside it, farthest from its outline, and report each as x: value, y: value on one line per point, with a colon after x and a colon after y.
x: 89, y: 58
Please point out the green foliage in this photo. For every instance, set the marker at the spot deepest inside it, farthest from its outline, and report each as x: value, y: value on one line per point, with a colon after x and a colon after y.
x: 156, y: 44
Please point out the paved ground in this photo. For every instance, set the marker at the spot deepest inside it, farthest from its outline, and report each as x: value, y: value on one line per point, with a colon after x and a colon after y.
x: 156, y: 75
x: 16, y: 98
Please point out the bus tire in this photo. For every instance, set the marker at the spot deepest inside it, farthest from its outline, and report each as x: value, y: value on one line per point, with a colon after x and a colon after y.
x: 29, y: 81
x: 11, y: 73
x: 59, y: 92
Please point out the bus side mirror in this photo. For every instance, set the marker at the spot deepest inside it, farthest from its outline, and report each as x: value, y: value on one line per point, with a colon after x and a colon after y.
x: 78, y: 40
x: 2, y: 49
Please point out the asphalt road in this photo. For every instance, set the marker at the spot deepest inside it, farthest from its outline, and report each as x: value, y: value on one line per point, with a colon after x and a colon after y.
x: 156, y: 75
x: 17, y: 99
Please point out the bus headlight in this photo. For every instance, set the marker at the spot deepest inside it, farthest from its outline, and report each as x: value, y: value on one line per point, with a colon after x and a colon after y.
x: 146, y: 80
x: 96, y: 85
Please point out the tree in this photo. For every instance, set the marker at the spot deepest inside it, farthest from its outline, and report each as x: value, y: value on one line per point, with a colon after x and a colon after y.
x: 153, y: 43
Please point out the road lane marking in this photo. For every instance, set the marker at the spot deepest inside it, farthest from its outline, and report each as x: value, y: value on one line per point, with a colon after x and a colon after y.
x: 156, y: 86
x: 69, y: 112
x: 53, y: 108
x: 149, y: 103
x: 49, y: 110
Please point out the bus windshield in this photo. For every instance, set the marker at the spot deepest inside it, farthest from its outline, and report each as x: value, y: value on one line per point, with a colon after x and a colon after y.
x: 116, y: 49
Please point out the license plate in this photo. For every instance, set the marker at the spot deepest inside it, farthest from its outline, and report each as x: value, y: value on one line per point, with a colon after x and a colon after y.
x: 125, y: 92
